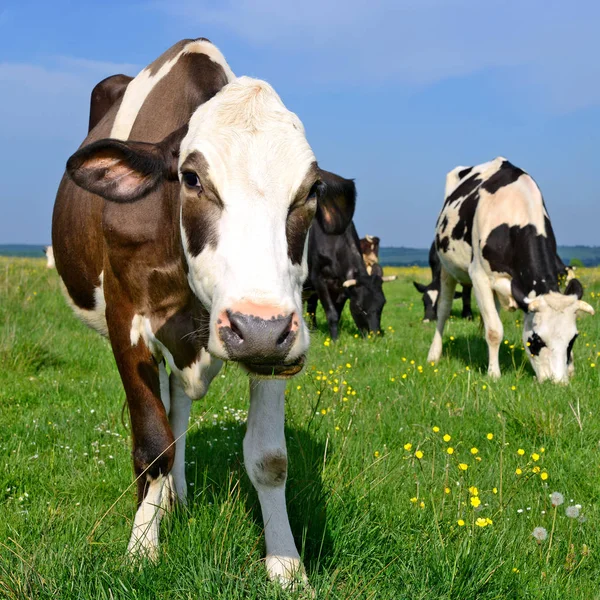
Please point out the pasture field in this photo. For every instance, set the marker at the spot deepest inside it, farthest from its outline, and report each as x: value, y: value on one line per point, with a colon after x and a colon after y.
x: 406, y: 480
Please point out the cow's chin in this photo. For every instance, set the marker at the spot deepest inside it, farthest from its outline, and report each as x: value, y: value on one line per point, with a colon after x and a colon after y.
x: 275, y: 371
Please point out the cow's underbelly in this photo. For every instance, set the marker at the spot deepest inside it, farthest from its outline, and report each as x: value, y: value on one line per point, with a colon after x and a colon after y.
x: 456, y: 260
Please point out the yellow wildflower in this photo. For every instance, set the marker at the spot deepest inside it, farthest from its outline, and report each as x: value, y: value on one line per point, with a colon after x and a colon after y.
x: 446, y: 490
x: 414, y: 500
x: 463, y: 466
x: 419, y: 454
x: 475, y: 501
x: 450, y: 450
x: 348, y: 366
x: 435, y: 429
x: 473, y: 491
x: 490, y: 436
x: 461, y: 523
x: 518, y: 471
x: 474, y: 450
x: 520, y: 451
x: 447, y: 437
x: 544, y: 476
x: 422, y: 504
x: 535, y: 457
x: 376, y: 454
x: 495, y: 490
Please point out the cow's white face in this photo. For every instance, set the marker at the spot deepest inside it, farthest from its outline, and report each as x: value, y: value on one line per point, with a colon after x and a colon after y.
x: 249, y: 188
x: 248, y: 194
x: 549, y: 332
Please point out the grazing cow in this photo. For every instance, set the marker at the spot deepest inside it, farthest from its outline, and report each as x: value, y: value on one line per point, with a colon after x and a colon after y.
x: 431, y: 291
x: 180, y: 232
x: 369, y: 247
x: 49, y: 257
x: 494, y: 232
x: 337, y: 272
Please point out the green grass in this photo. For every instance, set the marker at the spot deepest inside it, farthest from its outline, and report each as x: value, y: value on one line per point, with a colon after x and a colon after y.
x: 371, y: 519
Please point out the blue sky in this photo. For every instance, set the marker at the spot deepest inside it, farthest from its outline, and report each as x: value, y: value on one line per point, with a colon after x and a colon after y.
x: 393, y: 93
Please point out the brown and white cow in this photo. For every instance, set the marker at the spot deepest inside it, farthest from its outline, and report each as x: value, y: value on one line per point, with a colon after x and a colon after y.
x: 180, y: 232
x: 369, y: 247
x: 494, y: 232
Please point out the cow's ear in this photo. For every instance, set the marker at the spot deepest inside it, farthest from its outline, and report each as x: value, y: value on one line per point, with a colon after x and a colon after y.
x: 117, y: 170
x: 574, y: 287
x: 420, y: 287
x: 336, y: 202
x: 125, y: 171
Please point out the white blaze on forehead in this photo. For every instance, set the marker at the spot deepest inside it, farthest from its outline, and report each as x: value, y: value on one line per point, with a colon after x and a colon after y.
x: 140, y: 87
x: 433, y: 295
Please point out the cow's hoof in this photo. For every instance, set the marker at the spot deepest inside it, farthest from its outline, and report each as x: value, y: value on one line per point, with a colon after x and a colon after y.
x: 494, y: 374
x: 434, y: 355
x: 141, y: 550
x: 288, y: 572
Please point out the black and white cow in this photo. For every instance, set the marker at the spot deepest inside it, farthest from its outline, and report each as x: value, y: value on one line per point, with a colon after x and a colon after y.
x: 179, y: 232
x: 494, y: 232
x: 431, y: 291
x: 337, y: 272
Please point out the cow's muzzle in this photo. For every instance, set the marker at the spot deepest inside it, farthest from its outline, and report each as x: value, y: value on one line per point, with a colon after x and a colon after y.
x: 261, y: 344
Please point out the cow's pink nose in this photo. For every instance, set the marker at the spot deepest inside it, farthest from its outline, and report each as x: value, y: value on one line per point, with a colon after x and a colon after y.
x: 257, y: 333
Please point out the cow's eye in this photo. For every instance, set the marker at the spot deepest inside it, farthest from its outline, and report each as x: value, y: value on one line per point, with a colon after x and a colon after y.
x: 535, y: 344
x: 191, y: 180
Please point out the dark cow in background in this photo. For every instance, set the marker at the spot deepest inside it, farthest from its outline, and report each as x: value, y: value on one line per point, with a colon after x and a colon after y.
x: 494, y: 232
x: 337, y: 271
x: 179, y: 232
x: 369, y: 247
x: 431, y: 291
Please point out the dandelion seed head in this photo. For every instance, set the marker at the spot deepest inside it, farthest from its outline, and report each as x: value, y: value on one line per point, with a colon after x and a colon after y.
x: 540, y: 534
x: 572, y: 512
x: 556, y: 498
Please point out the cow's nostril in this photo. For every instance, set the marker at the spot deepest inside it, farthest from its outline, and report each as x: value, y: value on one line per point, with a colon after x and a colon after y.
x: 285, y: 334
x: 235, y: 326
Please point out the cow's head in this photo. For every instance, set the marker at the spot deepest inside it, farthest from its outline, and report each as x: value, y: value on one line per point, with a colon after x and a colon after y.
x: 430, y: 298
x: 550, y: 330
x: 249, y: 187
x: 367, y: 299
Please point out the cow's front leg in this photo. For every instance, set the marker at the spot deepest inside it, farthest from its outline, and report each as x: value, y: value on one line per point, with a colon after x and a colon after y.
x: 153, y: 447
x: 265, y: 456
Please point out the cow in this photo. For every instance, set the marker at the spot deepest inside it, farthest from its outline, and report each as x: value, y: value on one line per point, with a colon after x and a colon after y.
x: 494, y: 232
x: 369, y: 247
x: 49, y: 253
x: 337, y: 273
x: 179, y: 232
x: 431, y: 291
x: 104, y: 95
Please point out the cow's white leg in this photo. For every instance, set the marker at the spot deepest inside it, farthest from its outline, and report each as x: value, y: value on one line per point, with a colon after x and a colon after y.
x: 144, y: 537
x: 179, y: 417
x: 489, y: 309
x: 265, y: 457
x: 448, y: 285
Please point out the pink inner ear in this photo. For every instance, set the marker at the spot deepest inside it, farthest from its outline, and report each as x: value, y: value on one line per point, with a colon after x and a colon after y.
x: 117, y: 171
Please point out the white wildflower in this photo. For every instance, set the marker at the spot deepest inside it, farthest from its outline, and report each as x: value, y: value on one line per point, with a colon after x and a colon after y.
x: 556, y: 498
x: 540, y: 534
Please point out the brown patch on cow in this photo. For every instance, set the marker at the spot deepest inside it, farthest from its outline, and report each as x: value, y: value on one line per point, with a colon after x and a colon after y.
x: 272, y: 469
x: 104, y: 95
x: 155, y: 66
x: 494, y: 337
x: 200, y: 210
x: 193, y: 80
